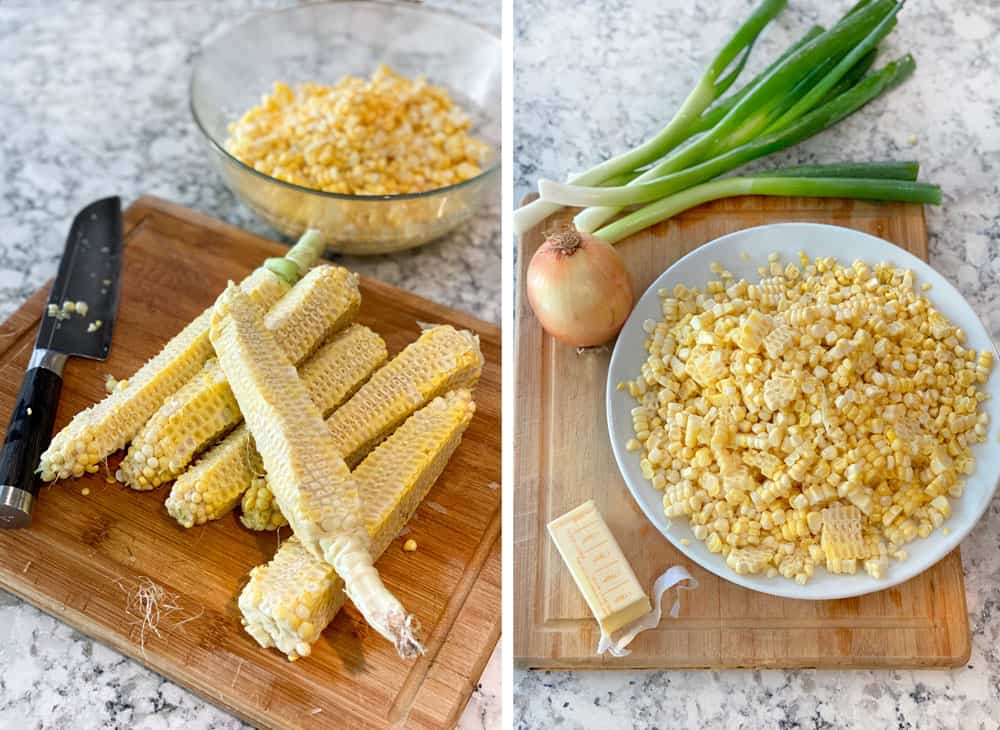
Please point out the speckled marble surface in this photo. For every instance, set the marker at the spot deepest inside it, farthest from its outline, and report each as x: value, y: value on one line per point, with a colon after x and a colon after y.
x: 597, y: 79
x: 94, y: 103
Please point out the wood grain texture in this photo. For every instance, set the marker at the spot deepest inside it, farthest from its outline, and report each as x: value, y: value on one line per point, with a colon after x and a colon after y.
x: 562, y: 458
x: 84, y: 553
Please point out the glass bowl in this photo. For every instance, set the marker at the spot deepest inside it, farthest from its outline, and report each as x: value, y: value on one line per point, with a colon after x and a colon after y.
x: 321, y: 43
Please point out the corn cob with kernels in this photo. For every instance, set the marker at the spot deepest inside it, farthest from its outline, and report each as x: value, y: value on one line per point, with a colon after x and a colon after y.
x: 213, y: 485
x: 324, y: 301
x: 309, y: 479
x: 290, y: 600
x: 441, y: 359
x: 97, y: 432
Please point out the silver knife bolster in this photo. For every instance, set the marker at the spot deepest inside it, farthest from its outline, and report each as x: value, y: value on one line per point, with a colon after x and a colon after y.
x: 42, y: 357
x: 15, y: 506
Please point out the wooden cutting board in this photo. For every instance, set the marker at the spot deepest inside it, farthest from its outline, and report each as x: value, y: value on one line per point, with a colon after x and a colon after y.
x: 84, y: 555
x: 562, y: 458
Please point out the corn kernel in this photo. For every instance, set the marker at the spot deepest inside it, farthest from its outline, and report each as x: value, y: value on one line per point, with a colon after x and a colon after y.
x: 380, y: 136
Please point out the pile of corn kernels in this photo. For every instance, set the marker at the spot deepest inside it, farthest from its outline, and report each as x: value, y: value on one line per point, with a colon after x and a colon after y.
x: 821, y: 417
x: 384, y: 136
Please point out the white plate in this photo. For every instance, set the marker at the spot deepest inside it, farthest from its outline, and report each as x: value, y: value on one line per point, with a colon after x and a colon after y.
x: 788, y: 239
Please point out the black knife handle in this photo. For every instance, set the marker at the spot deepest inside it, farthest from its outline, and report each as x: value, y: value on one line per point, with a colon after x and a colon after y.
x: 28, y: 434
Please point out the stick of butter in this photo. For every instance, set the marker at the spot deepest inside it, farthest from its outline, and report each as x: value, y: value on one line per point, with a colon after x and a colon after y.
x: 599, y: 567
x: 608, y: 582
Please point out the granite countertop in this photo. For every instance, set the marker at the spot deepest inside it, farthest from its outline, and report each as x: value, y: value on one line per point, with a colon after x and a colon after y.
x: 95, y: 102
x: 611, y: 75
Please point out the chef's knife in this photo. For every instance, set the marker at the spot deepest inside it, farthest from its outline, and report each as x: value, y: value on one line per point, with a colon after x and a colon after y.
x: 89, y: 272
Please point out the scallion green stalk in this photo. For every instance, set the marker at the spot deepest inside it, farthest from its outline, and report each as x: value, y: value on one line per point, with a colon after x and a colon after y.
x: 856, y: 54
x: 886, y: 170
x: 851, y: 77
x: 769, y: 113
x: 717, y: 111
x: 859, y: 189
x: 857, y: 6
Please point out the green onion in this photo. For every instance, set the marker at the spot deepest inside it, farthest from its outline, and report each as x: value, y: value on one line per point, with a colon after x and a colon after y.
x: 888, y: 170
x: 814, y: 84
x: 708, y: 89
x: 859, y: 189
x: 637, y: 192
x: 749, y: 113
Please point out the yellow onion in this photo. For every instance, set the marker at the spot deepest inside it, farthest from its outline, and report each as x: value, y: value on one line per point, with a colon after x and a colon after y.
x: 579, y: 289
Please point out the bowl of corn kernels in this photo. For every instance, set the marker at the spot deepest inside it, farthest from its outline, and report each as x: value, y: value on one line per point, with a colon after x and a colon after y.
x: 805, y: 410
x: 376, y: 123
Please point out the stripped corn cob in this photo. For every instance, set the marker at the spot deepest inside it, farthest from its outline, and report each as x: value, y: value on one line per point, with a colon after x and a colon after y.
x: 324, y: 301
x: 109, y: 425
x: 309, y: 479
x: 290, y: 600
x: 201, y: 410
x: 441, y: 359
x: 342, y: 365
x: 213, y: 486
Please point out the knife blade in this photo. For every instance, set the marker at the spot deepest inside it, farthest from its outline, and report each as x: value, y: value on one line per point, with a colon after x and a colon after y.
x: 89, y: 272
